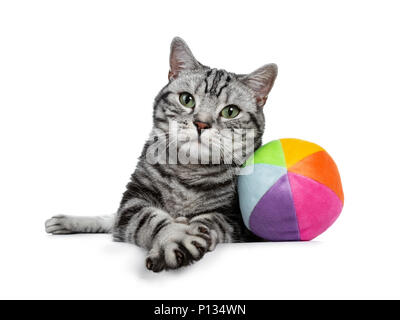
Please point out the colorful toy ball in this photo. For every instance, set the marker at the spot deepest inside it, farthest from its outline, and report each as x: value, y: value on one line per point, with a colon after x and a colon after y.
x: 289, y: 190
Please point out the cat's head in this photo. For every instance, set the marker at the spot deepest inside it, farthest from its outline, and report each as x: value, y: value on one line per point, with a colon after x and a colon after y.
x: 210, y: 114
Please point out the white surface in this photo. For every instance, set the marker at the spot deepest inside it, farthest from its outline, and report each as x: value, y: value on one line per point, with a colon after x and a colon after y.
x: 77, y: 81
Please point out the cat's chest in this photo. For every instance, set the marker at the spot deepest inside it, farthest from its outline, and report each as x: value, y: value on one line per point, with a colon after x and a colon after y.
x: 179, y: 200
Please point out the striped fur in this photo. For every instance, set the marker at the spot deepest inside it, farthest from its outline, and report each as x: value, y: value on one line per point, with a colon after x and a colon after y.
x: 180, y: 211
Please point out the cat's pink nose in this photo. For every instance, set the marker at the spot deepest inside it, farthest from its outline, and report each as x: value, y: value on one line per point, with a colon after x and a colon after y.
x: 201, y: 125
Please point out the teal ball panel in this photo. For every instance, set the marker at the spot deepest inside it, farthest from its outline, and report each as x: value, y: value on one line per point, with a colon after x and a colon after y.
x: 254, y: 181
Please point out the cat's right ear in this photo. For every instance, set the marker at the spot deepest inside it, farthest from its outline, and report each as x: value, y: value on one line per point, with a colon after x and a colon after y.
x: 261, y: 82
x: 181, y: 58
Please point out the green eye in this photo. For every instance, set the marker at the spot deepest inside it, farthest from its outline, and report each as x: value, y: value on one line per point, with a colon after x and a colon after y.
x: 187, y: 100
x: 230, y: 111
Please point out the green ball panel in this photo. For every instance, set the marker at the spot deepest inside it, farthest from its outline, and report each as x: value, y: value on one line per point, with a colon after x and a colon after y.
x: 270, y: 153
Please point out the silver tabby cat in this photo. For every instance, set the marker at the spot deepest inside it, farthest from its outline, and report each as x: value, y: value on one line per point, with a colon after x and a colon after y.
x: 180, y: 210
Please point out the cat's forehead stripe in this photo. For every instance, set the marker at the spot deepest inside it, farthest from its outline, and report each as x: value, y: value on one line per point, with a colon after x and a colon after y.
x: 227, y: 80
x: 215, y: 81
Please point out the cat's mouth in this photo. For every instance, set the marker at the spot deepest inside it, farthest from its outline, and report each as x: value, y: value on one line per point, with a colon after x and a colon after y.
x: 196, y: 143
x: 194, y: 138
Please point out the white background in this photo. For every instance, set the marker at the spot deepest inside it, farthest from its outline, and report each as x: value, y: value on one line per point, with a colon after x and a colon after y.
x: 77, y: 82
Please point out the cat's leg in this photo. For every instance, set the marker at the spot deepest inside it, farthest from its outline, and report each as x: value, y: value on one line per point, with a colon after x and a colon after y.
x: 172, y: 243
x: 221, y: 228
x: 62, y: 224
x: 228, y: 228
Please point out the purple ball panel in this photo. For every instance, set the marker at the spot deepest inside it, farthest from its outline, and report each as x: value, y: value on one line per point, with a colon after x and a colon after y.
x: 274, y: 216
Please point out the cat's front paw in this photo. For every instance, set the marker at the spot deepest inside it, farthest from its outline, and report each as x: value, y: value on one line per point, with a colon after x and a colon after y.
x: 180, y: 245
x: 60, y: 224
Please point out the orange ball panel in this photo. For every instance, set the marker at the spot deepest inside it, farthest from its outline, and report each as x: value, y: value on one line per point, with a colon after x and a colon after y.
x: 320, y: 167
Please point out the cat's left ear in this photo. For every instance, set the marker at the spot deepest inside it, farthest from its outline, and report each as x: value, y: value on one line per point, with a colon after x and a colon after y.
x: 181, y: 58
x: 261, y: 82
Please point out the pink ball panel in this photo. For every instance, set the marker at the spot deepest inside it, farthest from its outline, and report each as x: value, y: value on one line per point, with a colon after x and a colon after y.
x: 317, y: 206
